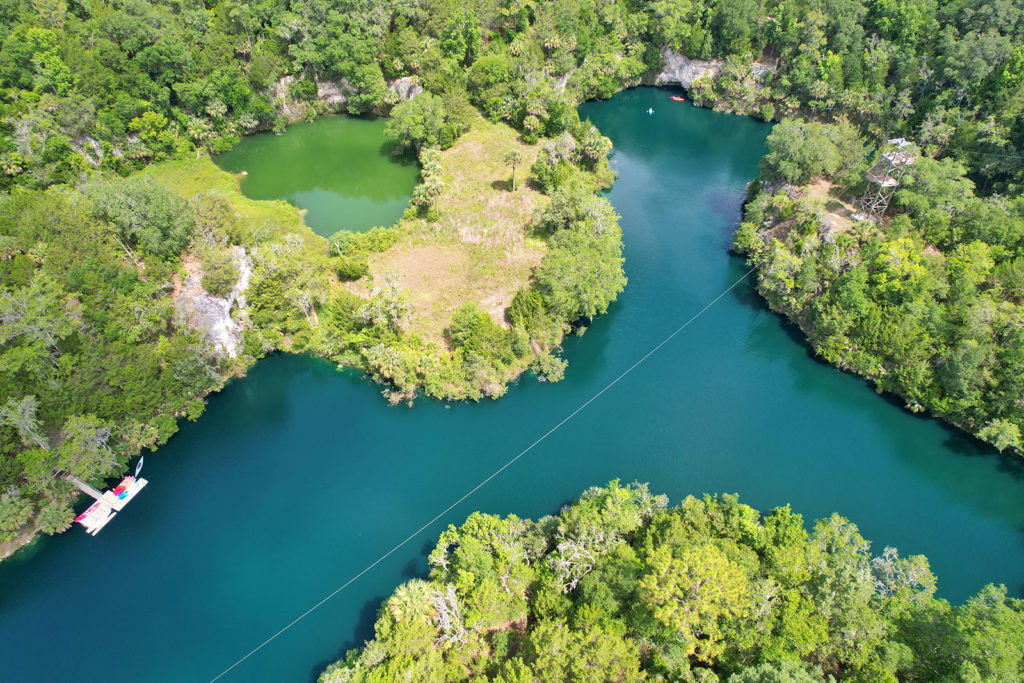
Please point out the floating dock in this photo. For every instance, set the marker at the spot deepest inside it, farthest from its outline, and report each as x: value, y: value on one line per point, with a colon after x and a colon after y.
x: 108, y: 503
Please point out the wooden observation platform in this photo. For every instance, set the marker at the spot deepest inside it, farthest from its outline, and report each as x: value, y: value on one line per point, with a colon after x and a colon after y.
x: 884, y: 177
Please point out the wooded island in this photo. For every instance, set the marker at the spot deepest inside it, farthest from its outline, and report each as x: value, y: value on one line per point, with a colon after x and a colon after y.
x: 620, y: 587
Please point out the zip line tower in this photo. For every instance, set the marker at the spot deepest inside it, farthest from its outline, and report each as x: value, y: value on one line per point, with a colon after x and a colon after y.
x: 884, y: 177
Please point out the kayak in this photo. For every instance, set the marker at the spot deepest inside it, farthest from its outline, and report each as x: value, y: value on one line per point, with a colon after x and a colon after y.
x: 677, y: 98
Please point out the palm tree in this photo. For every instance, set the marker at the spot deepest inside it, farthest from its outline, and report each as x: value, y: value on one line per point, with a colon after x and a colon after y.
x: 433, y: 185
x: 412, y: 600
x: 513, y: 158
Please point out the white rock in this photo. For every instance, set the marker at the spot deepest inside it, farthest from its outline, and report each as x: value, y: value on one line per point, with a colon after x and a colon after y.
x: 407, y: 87
x: 333, y: 93
x: 211, y: 315
x: 680, y: 69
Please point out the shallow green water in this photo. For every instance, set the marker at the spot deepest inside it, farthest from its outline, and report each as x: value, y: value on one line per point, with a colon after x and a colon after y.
x: 340, y: 169
x: 298, y: 477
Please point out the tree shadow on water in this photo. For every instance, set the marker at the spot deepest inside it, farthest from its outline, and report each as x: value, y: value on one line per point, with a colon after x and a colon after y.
x: 968, y: 446
x: 417, y: 567
x: 361, y: 632
x: 727, y: 204
x: 389, y: 149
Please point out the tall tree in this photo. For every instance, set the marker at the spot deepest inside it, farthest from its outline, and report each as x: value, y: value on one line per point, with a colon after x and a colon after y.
x: 513, y: 158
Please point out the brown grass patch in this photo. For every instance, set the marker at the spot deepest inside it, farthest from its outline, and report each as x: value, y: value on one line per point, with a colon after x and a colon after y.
x: 838, y: 213
x: 479, y: 250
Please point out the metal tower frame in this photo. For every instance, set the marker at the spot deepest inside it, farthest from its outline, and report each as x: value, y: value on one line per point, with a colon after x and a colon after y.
x: 884, y: 177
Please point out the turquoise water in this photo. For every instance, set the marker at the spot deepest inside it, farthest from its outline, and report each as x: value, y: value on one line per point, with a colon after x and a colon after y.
x: 298, y: 477
x: 338, y: 168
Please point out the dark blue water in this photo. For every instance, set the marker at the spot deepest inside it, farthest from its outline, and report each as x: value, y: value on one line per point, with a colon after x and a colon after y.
x: 298, y: 477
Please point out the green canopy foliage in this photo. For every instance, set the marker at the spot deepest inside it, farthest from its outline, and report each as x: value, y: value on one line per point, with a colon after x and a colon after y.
x: 927, y: 305
x: 620, y: 587
x: 90, y: 92
x: 119, y: 86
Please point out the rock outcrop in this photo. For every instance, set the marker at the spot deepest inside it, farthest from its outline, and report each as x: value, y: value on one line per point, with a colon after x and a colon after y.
x: 292, y: 110
x: 211, y: 315
x: 562, y: 80
x: 406, y: 87
x: 333, y: 93
x: 680, y: 69
x: 761, y: 69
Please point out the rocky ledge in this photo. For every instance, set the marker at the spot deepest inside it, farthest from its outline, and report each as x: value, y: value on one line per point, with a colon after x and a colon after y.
x: 681, y: 70
x: 210, y: 315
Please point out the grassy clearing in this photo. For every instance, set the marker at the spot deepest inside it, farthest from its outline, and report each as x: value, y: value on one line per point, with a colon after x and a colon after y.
x: 190, y: 177
x: 838, y: 212
x: 479, y: 250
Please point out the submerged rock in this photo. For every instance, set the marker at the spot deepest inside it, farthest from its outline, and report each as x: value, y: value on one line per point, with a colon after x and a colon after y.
x: 210, y: 315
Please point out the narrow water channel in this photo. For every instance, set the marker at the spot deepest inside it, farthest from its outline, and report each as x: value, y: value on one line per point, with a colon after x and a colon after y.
x: 299, y: 476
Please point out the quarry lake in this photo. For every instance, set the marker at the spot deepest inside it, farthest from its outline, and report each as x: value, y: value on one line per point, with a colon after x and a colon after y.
x: 299, y: 476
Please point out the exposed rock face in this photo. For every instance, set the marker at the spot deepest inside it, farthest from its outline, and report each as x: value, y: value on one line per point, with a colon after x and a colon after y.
x: 760, y: 69
x: 407, y: 87
x: 90, y: 149
x: 333, y: 93
x: 293, y: 111
x: 684, y: 71
x: 211, y: 315
x: 562, y: 80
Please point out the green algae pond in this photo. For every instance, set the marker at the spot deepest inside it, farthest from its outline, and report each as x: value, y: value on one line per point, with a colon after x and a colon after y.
x: 339, y: 169
x: 299, y: 476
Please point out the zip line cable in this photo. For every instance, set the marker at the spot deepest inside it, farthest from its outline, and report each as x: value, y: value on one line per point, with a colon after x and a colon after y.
x: 488, y: 479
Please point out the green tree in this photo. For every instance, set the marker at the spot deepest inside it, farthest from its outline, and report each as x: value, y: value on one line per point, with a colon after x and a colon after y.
x: 143, y: 214
x: 991, y: 629
x: 1002, y: 434
x: 36, y: 321
x: 513, y: 158
x: 15, y: 512
x: 21, y: 415
x: 220, y: 271
x: 154, y: 132
x: 581, y: 273
x: 417, y: 123
x: 473, y: 330
x: 697, y: 593
x: 85, y: 451
x: 51, y: 73
x: 55, y: 517
x: 799, y: 151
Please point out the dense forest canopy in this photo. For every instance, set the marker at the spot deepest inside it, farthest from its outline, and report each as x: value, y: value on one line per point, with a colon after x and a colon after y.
x: 928, y: 305
x: 94, y: 365
x: 121, y: 83
x: 620, y: 587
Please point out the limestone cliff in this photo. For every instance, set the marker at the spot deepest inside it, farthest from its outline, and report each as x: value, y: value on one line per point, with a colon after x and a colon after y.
x: 682, y: 70
x: 210, y: 315
x: 406, y: 87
